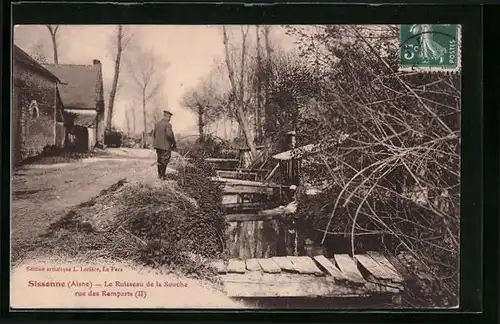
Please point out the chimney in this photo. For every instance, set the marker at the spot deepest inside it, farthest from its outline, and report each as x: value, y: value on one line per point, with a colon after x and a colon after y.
x: 97, y: 62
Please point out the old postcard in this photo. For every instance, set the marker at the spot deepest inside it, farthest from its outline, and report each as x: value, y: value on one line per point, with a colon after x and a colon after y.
x: 235, y: 166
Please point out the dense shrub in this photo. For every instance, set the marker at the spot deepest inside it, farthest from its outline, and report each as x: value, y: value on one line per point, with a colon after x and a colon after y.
x: 209, y: 146
x: 172, y: 225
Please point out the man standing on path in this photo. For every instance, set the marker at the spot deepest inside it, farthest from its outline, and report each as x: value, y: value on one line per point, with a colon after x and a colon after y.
x: 163, y: 142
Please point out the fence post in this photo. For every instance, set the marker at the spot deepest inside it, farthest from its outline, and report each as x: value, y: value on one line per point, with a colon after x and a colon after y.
x: 293, y: 168
x: 293, y: 179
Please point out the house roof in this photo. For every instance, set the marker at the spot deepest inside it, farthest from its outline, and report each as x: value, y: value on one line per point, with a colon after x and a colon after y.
x: 81, y: 117
x: 21, y: 57
x: 81, y: 87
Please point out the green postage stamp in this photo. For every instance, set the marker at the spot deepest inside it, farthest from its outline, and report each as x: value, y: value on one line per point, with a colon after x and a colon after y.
x: 430, y: 48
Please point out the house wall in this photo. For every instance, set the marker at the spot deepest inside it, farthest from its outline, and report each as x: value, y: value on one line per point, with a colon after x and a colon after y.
x: 91, y: 137
x: 35, y: 132
x: 100, y: 128
x: 16, y: 127
x: 60, y: 134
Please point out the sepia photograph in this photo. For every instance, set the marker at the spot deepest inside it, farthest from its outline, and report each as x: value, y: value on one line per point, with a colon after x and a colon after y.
x: 235, y: 166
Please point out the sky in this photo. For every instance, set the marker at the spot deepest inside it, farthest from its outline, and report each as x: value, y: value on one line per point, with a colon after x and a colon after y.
x: 189, y: 50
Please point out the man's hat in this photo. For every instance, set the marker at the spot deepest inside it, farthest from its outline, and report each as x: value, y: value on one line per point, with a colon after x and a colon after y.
x: 167, y: 112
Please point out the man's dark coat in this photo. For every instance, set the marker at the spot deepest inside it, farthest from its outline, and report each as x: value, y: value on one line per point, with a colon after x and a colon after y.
x: 163, y: 136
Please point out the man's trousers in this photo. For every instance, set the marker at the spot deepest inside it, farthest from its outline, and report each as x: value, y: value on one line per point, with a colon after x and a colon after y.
x: 163, y: 157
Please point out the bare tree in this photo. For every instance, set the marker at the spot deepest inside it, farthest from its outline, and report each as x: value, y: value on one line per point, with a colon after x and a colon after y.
x: 146, y: 71
x: 53, y: 36
x: 206, y: 101
x: 122, y: 40
x: 237, y: 86
x: 195, y: 101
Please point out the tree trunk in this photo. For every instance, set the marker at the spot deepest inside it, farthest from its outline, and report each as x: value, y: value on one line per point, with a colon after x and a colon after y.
x: 200, y: 122
x: 258, y: 108
x: 133, y: 120
x: 127, y: 120
x: 114, y: 87
x: 231, y: 131
x: 56, y: 58
x: 269, y: 122
x: 53, y: 36
x: 144, y: 120
x: 240, y: 113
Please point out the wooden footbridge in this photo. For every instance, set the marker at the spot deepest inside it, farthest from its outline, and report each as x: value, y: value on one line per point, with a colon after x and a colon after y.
x: 263, y: 257
x: 302, y: 276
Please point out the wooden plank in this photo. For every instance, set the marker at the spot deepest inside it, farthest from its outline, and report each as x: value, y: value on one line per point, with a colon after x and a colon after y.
x: 232, y: 173
x: 236, y: 266
x: 248, y: 217
x: 296, y: 153
x: 330, y: 268
x: 219, y: 266
x: 216, y: 160
x: 285, y: 264
x: 243, y: 206
x: 247, y: 183
x: 258, y: 284
x: 237, y: 175
x: 243, y: 189
x: 304, y: 264
x: 262, y: 171
x: 269, y: 266
x: 378, y: 273
x: 401, y: 269
x: 271, y: 174
x: 349, y: 268
x: 307, y: 149
x: 266, y: 214
x: 373, y: 267
x: 253, y: 265
x: 389, y: 267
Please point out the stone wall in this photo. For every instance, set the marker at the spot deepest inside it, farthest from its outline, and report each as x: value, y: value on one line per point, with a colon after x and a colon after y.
x: 36, y: 111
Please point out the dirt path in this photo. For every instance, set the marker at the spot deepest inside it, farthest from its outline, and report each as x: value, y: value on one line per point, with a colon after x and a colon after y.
x: 41, y: 194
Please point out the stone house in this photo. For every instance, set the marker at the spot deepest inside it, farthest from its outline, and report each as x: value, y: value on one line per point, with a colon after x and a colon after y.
x: 82, y: 95
x: 37, y: 111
